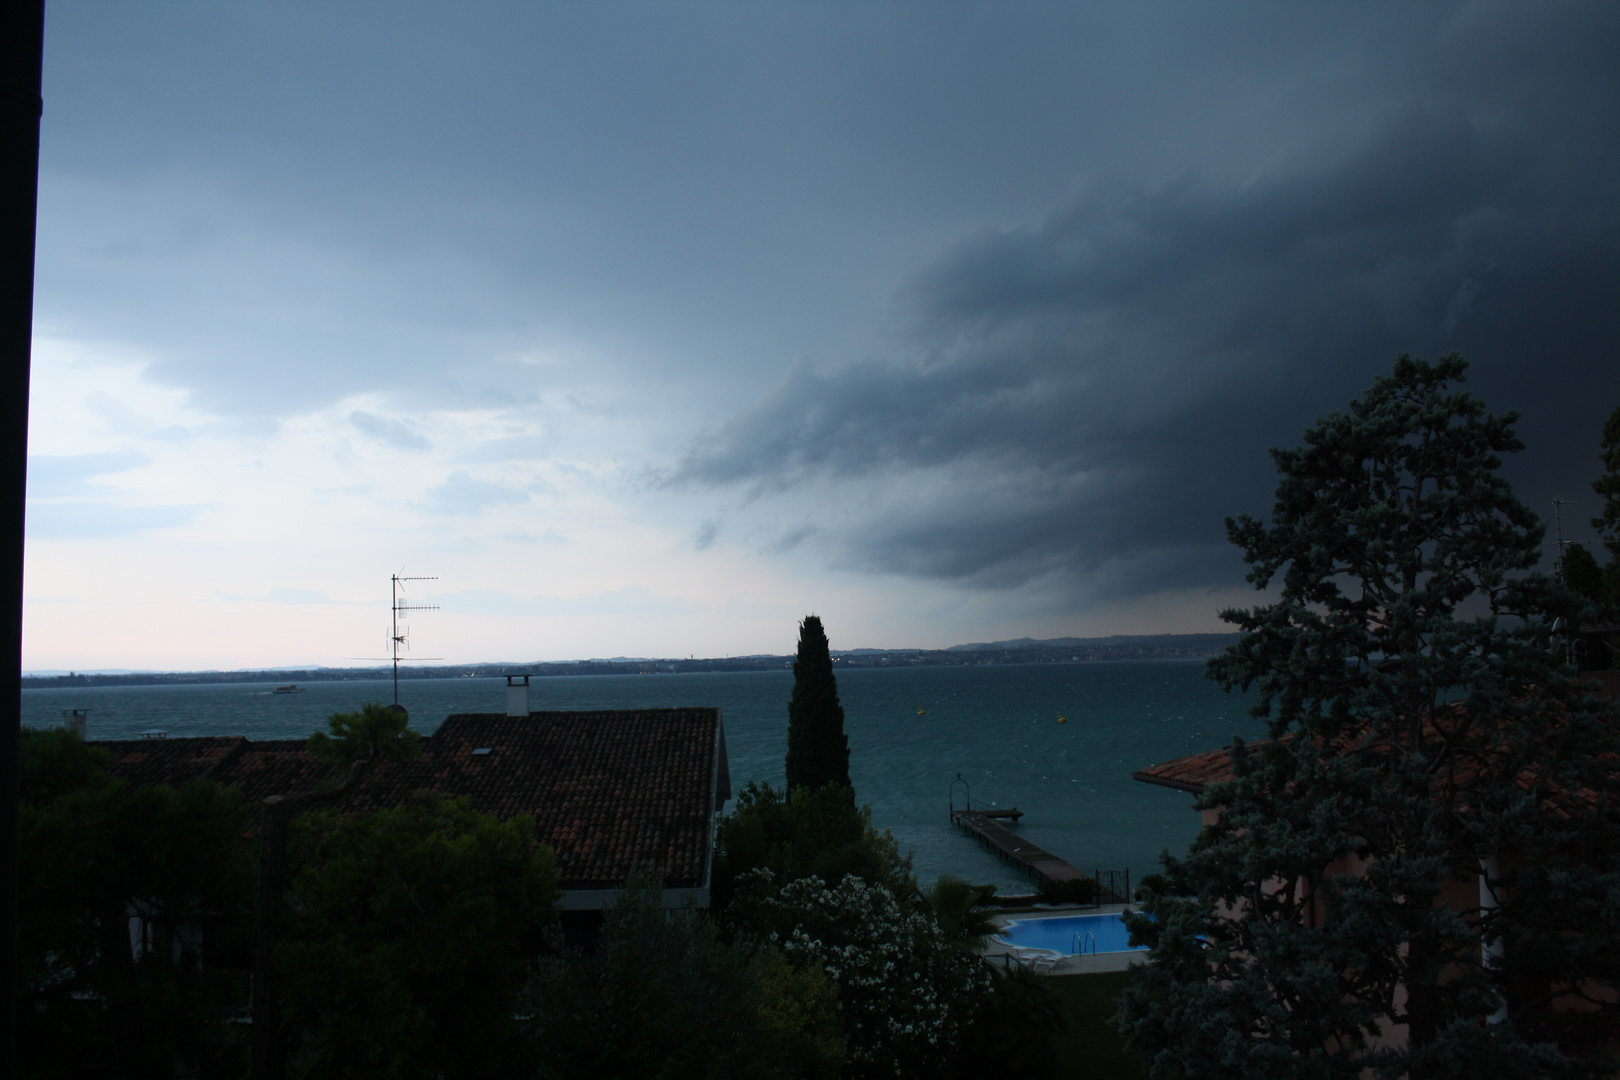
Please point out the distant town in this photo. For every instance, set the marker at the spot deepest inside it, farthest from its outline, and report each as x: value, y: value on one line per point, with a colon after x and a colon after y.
x: 1019, y: 651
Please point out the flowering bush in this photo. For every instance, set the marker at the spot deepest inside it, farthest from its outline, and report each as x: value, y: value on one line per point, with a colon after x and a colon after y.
x: 904, y: 992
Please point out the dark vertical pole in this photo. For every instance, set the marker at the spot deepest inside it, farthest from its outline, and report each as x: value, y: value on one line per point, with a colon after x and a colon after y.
x: 393, y: 634
x: 21, y: 45
x: 267, y: 1052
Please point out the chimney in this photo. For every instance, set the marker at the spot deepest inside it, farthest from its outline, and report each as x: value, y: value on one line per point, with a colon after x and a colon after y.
x: 517, y: 695
x: 77, y: 721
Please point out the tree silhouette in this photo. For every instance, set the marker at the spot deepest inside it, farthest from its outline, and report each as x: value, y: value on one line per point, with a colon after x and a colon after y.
x: 1410, y: 850
x: 818, y: 749
x: 357, y: 740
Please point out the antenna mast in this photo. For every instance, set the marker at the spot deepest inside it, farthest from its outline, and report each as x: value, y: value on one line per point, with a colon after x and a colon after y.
x: 1558, y: 533
x: 398, y: 606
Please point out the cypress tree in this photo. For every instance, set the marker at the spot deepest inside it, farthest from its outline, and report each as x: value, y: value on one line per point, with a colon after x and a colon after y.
x: 818, y: 750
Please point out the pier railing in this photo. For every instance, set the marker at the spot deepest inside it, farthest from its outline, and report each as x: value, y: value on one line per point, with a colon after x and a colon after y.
x: 1113, y: 886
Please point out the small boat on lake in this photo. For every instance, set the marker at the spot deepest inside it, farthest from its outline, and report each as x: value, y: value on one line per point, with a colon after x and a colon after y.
x: 290, y: 688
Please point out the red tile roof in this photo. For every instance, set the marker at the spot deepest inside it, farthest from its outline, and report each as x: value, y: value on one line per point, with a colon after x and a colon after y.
x: 609, y: 791
x: 1196, y: 772
x: 172, y: 761
x: 1192, y: 774
x: 274, y: 767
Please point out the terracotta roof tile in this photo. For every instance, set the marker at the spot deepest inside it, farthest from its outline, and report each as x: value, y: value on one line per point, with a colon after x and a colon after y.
x: 172, y: 761
x: 1192, y: 773
x: 609, y: 791
x: 1197, y: 771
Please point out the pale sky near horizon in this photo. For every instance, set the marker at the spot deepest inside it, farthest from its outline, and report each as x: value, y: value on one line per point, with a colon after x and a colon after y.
x: 649, y: 328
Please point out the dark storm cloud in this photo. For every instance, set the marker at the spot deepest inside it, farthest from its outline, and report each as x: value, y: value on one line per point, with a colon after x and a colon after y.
x: 1233, y: 217
x: 286, y: 204
x: 1094, y: 394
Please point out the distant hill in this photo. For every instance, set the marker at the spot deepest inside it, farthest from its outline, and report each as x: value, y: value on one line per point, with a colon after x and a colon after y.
x: 1018, y: 651
x: 1196, y: 642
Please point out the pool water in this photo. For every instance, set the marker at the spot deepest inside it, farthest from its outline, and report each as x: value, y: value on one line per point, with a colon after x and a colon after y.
x: 1070, y: 934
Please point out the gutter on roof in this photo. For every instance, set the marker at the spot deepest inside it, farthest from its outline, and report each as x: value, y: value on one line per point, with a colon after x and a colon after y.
x: 1161, y: 781
x: 722, y: 791
x: 719, y: 771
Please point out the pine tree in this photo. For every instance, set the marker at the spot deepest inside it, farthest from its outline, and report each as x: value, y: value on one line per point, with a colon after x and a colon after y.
x: 818, y: 750
x: 1605, y: 652
x: 1584, y: 577
x: 1411, y: 681
x: 1608, y: 486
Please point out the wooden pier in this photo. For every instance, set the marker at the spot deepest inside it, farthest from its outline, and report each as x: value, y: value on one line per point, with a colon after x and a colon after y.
x: 1043, y: 865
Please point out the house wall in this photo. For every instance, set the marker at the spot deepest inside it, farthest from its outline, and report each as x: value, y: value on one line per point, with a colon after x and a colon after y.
x: 602, y: 899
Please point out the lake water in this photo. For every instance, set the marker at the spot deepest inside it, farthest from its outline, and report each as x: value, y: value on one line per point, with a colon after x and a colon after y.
x: 996, y: 725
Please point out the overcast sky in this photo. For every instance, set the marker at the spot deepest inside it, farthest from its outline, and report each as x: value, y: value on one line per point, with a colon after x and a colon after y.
x: 649, y: 328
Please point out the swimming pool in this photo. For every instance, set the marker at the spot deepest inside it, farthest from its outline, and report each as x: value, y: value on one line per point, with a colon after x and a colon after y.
x: 1070, y: 935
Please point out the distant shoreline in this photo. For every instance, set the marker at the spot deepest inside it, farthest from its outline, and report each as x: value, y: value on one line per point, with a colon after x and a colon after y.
x: 1024, y: 651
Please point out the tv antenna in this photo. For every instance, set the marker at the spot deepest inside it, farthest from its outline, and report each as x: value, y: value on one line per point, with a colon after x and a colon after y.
x: 399, y: 638
x: 1558, y: 532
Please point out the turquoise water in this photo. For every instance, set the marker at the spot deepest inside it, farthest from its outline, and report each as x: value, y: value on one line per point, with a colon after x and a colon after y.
x: 1070, y: 934
x: 997, y: 725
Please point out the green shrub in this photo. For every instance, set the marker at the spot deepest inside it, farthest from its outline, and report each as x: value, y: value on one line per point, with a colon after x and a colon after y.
x: 664, y: 996
x: 957, y: 907
x: 1010, y: 1035
x: 92, y: 852
x: 1081, y: 890
x: 411, y: 932
x: 814, y: 832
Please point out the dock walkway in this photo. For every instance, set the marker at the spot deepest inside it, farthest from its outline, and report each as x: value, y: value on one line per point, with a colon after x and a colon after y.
x: 1015, y: 849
